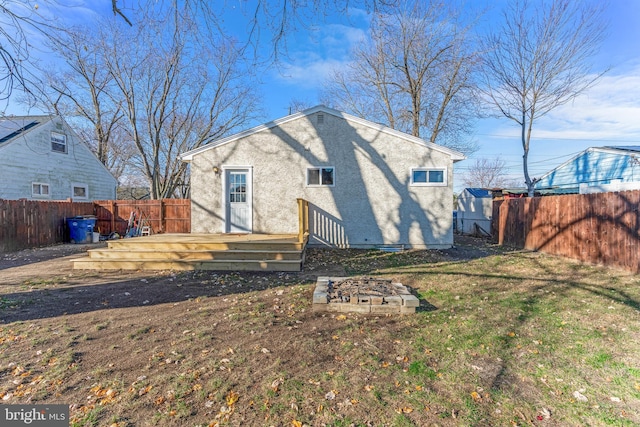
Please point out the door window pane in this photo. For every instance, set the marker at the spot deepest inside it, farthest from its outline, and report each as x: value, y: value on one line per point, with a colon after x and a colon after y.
x: 237, y: 187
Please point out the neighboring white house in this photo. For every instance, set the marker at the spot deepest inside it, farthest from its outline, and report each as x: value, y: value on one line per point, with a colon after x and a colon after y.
x: 41, y: 158
x: 594, y: 170
x: 367, y: 185
x: 475, y: 208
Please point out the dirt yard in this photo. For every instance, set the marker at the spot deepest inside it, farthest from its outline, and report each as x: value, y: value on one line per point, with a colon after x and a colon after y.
x: 43, y: 284
x: 212, y: 348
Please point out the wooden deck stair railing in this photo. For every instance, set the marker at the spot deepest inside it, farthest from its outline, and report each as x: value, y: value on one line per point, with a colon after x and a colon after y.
x: 303, y: 221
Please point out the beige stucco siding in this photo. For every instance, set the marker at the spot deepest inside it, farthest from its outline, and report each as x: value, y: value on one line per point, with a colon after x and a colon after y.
x: 372, y: 202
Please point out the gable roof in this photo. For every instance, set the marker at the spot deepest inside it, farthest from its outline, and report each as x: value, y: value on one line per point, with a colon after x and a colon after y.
x: 13, y: 126
x: 455, y: 155
x: 479, y: 193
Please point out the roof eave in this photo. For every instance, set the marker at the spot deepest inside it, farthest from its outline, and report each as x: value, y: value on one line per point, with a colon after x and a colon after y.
x: 456, y: 156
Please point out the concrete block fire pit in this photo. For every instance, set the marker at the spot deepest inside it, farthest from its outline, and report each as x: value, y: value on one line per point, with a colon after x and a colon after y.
x: 362, y: 295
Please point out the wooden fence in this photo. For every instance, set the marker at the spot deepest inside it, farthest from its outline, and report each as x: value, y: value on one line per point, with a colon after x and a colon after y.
x: 602, y: 228
x: 29, y: 224
x: 164, y: 216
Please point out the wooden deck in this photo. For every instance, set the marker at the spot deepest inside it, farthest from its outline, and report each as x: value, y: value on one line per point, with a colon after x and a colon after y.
x: 230, y: 252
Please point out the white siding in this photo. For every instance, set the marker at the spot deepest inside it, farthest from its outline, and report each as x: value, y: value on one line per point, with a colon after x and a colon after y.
x: 474, y: 210
x: 29, y: 159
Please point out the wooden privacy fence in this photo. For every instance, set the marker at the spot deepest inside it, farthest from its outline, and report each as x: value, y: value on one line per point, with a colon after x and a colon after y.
x: 602, y: 228
x: 164, y: 216
x: 29, y: 224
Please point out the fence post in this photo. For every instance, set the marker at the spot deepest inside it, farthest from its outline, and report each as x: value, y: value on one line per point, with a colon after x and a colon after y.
x: 113, y: 216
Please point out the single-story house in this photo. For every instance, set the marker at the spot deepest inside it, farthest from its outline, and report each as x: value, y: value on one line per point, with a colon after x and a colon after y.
x: 42, y: 158
x: 474, y: 211
x: 367, y: 185
x: 595, y: 169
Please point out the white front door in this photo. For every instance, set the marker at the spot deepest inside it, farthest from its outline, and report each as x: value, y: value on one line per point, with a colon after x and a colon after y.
x: 238, y: 200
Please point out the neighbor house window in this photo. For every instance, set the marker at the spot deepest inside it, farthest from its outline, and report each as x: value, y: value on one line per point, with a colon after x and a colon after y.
x: 39, y: 189
x: 425, y: 176
x: 58, y: 142
x: 80, y: 191
x: 321, y: 177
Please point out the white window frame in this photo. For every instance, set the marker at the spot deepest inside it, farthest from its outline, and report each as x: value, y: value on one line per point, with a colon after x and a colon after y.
x: 428, y: 183
x: 79, y: 185
x: 41, y: 185
x: 319, y: 169
x: 59, y: 136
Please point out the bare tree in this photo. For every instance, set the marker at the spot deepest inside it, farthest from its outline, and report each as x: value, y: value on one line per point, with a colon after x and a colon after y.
x: 416, y: 74
x: 180, y: 89
x: 141, y: 95
x: 487, y: 173
x: 84, y: 89
x: 24, y: 23
x: 20, y: 22
x: 538, y: 60
x: 121, y: 152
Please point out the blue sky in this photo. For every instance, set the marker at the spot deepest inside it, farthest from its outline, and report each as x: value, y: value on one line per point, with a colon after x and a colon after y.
x: 609, y: 114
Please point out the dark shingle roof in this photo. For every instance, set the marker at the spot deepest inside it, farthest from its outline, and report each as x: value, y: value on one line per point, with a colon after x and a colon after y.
x: 624, y: 147
x: 10, y: 128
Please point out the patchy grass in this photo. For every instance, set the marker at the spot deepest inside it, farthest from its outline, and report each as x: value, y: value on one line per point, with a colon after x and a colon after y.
x: 501, y: 338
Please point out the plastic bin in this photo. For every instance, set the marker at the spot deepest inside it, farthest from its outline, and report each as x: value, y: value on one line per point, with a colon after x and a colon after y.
x: 81, y: 228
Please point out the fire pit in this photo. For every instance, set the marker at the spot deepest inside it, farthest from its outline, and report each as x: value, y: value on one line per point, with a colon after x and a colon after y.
x: 362, y: 295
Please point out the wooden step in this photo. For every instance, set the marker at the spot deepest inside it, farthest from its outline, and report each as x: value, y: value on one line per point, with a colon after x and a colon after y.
x: 146, y: 254
x: 139, y: 244
x: 247, y: 252
x: 164, y: 264
x: 210, y: 242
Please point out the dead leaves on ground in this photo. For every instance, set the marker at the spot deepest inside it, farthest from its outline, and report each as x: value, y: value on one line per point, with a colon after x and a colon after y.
x: 104, y: 395
x: 226, y: 410
x: 275, y: 384
x: 9, y: 337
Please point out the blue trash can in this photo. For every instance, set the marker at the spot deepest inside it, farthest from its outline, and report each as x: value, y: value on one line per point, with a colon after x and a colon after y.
x: 81, y: 228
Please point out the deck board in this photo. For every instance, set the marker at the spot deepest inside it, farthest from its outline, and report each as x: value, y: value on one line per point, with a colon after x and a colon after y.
x: 241, y: 252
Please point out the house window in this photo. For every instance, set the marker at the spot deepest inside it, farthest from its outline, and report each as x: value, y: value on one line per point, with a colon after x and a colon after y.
x: 58, y: 142
x: 39, y: 189
x: 321, y: 177
x: 432, y: 177
x: 80, y: 191
x: 320, y: 119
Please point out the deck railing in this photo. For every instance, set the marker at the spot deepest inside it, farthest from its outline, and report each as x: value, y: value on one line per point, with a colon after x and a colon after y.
x: 303, y: 221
